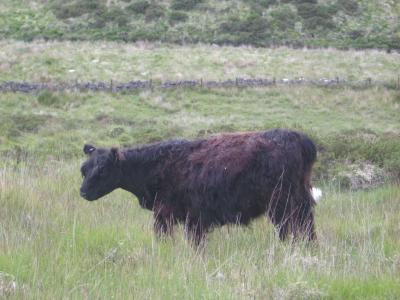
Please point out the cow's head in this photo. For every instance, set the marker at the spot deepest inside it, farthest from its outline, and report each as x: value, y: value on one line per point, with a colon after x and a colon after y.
x: 101, y: 172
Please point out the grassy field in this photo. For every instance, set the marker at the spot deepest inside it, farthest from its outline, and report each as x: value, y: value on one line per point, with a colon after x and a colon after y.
x: 45, y: 61
x: 342, y: 24
x: 53, y: 244
x: 351, y: 127
x: 56, y: 245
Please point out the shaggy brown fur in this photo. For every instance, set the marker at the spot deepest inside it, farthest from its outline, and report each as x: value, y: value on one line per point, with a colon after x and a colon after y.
x: 229, y: 178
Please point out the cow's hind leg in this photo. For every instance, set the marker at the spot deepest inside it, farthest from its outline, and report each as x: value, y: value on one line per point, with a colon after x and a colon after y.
x: 282, y: 224
x: 163, y: 226
x: 303, y: 218
x: 304, y: 223
x: 196, y: 232
x: 279, y: 213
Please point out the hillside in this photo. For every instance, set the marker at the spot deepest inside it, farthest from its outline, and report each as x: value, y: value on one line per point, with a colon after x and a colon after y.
x: 55, y: 124
x: 296, y: 23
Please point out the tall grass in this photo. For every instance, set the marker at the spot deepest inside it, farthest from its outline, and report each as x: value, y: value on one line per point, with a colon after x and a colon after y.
x: 56, y: 245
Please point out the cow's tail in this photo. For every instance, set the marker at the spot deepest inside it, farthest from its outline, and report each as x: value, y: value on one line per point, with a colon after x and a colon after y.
x: 309, y: 153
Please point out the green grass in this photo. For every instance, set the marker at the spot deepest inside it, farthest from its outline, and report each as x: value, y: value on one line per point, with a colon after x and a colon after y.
x: 56, y: 245
x: 53, y: 244
x: 56, y: 125
x: 84, y: 61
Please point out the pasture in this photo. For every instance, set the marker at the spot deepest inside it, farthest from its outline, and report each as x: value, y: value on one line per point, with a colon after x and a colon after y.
x: 54, y: 244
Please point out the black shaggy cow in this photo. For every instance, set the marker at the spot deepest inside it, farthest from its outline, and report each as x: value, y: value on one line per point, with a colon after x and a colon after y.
x: 228, y: 178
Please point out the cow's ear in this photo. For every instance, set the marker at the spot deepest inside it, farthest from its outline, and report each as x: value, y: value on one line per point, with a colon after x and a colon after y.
x: 117, y: 155
x: 88, y: 149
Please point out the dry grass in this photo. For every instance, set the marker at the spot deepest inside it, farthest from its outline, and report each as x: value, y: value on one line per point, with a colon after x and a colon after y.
x: 42, y: 61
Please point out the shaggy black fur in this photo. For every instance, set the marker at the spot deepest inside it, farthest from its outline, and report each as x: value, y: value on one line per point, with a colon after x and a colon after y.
x: 229, y: 178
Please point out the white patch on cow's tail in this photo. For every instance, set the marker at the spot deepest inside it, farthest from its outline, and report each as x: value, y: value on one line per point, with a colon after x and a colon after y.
x: 316, y: 193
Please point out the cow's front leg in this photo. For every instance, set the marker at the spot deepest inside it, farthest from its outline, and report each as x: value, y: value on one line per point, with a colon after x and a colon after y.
x: 196, y: 232
x: 163, y: 220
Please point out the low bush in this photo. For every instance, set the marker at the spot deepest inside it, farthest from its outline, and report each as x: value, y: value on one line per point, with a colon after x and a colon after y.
x: 48, y: 98
x: 350, y: 7
x: 14, y: 125
x: 315, y: 16
x: 117, y: 16
x: 261, y: 3
x: 177, y: 17
x: 185, y: 4
x: 29, y: 123
x: 382, y: 151
x: 154, y: 12
x: 138, y: 7
x: 283, y: 18
x: 73, y: 9
x: 252, y: 28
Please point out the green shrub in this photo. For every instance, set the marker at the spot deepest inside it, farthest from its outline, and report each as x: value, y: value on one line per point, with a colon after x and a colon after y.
x: 356, y: 34
x: 48, y: 98
x: 185, y: 4
x: 283, y: 18
x: 154, y: 12
x: 116, y: 132
x: 139, y: 7
x: 262, y: 3
x: 7, y: 129
x: 365, y: 145
x: 394, y: 40
x: 117, y: 16
x: 114, y: 15
x: 177, y: 16
x: 316, y: 16
x: 252, y: 28
x: 72, y: 9
x: 301, y: 1
x: 350, y: 7
x: 152, y: 32
x: 29, y: 122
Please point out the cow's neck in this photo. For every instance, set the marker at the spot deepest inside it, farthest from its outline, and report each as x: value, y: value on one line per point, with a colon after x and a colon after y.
x: 136, y: 173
